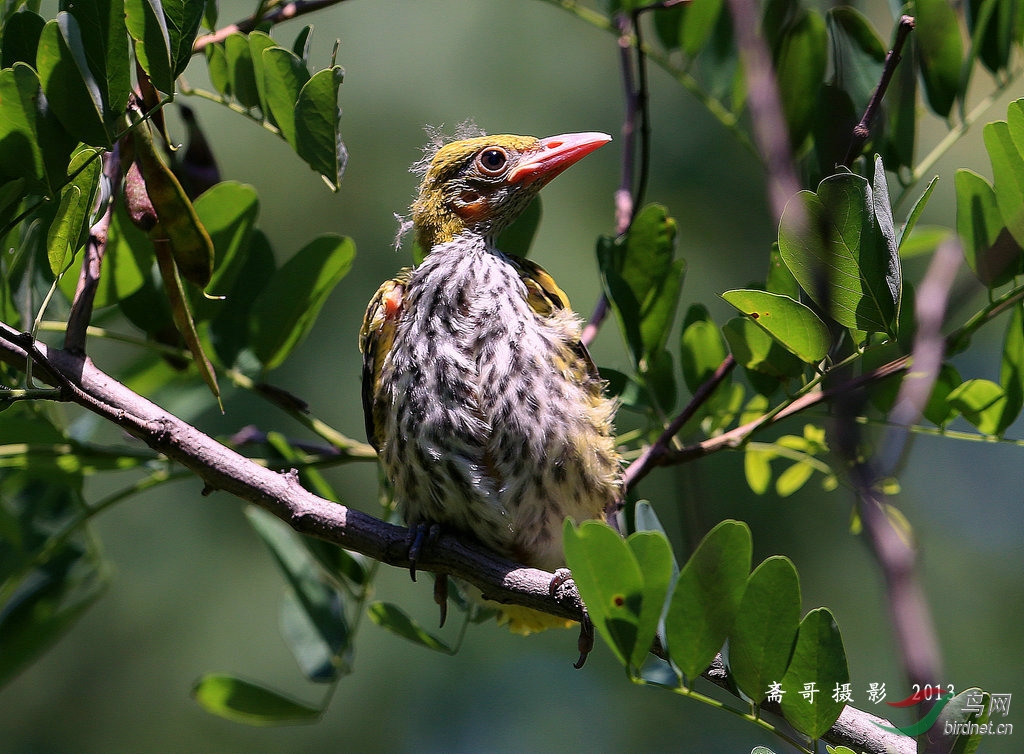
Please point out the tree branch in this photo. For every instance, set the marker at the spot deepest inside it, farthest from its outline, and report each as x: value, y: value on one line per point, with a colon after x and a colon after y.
x: 281, y: 13
x: 221, y: 468
x: 95, y: 248
x: 862, y: 131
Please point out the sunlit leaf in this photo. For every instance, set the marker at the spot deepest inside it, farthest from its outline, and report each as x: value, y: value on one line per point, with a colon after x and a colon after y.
x: 789, y: 322
x: 148, y: 27
x: 989, y: 248
x: 246, y: 702
x: 981, y: 402
x: 241, y: 72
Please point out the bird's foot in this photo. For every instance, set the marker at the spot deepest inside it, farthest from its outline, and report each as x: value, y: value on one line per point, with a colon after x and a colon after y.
x: 441, y: 596
x: 420, y: 534
x: 585, y: 643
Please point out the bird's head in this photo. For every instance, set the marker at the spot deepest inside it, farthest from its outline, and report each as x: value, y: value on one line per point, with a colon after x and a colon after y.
x: 482, y: 184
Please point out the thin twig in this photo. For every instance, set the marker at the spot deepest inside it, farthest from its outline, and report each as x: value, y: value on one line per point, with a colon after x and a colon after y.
x: 95, y: 248
x: 656, y: 451
x: 862, y: 131
x: 281, y: 13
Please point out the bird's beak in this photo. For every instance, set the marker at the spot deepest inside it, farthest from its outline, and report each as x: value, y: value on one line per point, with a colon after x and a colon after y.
x: 554, y: 154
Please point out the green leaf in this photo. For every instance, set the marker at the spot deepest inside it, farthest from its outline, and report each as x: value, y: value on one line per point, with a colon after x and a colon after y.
x: 793, y: 478
x: 858, y: 54
x: 701, y: 348
x: 20, y: 38
x: 20, y: 155
x: 70, y: 88
x: 284, y: 75
x: 937, y: 34
x: 518, y: 237
x: 755, y: 349
x: 819, y: 659
x: 45, y: 596
x: 286, y: 310
x: 182, y: 18
x: 70, y: 226
x: 129, y: 250
x: 766, y: 625
x: 840, y: 256
x: 324, y: 636
x: 258, y: 42
x: 249, y: 703
x: 1008, y: 172
x: 915, y: 213
x: 317, y: 125
x: 643, y: 280
x: 241, y: 71
x: 654, y: 556
x: 757, y: 468
x: 800, y: 55
x: 398, y: 622
x: 707, y: 596
x: 697, y: 23
x: 990, y: 250
x: 981, y: 402
x: 217, y: 64
x: 780, y: 280
x: 148, y: 27
x: 961, y: 713
x: 105, y: 43
x: 1011, y: 371
x: 228, y: 211
x: 611, y: 584
x: 1001, y: 26
x: 229, y: 328
x: 789, y: 322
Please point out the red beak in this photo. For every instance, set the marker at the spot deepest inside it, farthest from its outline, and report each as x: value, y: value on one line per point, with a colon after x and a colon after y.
x: 554, y: 154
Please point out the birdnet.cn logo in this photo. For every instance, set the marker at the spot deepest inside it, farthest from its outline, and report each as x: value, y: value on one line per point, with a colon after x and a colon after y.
x: 969, y: 718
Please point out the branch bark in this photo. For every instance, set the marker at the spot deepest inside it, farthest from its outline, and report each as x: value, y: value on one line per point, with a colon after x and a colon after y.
x: 80, y: 381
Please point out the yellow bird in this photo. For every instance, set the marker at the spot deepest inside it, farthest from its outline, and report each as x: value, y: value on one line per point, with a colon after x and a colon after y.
x: 488, y: 414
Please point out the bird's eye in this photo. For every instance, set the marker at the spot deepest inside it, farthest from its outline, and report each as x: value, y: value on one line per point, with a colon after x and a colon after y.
x: 492, y: 161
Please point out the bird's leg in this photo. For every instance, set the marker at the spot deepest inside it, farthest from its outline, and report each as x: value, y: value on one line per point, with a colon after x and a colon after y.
x: 441, y: 595
x: 586, y: 641
x: 420, y: 534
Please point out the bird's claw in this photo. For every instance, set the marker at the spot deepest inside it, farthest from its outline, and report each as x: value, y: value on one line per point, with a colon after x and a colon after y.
x: 586, y: 640
x: 418, y: 535
x: 441, y: 596
x: 560, y: 578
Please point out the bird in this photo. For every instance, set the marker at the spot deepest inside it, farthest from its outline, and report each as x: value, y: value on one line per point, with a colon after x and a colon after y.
x: 487, y: 412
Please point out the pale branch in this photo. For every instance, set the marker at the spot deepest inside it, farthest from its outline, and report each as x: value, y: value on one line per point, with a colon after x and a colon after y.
x: 908, y: 605
x: 862, y: 131
x: 277, y: 15
x: 80, y: 381
x: 95, y: 247
x: 766, y: 116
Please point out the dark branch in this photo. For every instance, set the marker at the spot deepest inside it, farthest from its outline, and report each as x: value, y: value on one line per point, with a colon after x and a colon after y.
x: 221, y: 468
x: 654, y: 453
x: 862, y: 131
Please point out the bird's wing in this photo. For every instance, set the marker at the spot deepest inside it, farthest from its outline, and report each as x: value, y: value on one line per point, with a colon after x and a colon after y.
x: 545, y: 297
x: 376, y: 337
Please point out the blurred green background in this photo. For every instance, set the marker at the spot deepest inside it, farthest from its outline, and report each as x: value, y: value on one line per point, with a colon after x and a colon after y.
x: 196, y: 592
